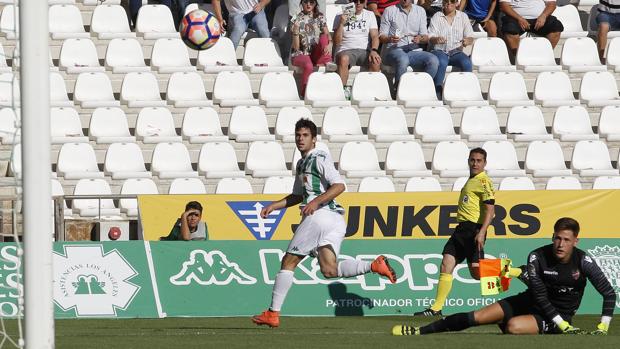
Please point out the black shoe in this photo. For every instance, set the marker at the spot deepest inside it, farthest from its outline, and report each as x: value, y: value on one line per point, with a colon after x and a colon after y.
x: 524, y: 277
x: 428, y: 312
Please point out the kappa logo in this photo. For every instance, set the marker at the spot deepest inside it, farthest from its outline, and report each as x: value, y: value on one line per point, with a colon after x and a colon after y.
x: 91, y: 282
x: 210, y: 268
x: 608, y: 259
x: 249, y: 213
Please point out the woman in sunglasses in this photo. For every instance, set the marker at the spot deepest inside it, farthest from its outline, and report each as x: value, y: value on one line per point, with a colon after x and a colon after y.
x: 310, y: 45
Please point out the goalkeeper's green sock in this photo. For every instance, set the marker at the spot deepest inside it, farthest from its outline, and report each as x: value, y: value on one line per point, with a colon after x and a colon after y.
x: 443, y: 290
x: 456, y: 322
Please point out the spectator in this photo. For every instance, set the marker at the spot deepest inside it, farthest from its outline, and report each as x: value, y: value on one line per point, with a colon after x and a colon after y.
x: 134, y: 7
x: 430, y: 7
x: 310, y: 40
x: 241, y: 15
x: 608, y: 18
x: 481, y: 12
x: 378, y: 6
x: 449, y: 33
x: 351, y: 36
x: 533, y: 16
x: 403, y: 29
x: 189, y: 226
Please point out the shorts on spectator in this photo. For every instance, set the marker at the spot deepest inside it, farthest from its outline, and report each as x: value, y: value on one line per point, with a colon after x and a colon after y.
x: 511, y: 26
x: 613, y: 19
x: 356, y: 57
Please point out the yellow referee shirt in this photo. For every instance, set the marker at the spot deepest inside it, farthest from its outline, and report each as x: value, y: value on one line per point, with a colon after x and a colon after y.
x: 476, y: 190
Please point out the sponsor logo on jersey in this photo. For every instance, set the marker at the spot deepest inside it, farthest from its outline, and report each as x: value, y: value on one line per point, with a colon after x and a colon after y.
x: 249, y: 213
x: 550, y: 272
x: 608, y: 259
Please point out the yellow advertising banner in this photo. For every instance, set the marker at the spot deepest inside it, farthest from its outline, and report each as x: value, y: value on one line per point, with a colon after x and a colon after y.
x: 431, y: 215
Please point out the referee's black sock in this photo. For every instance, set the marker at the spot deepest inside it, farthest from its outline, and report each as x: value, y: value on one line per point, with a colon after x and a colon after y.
x: 456, y: 322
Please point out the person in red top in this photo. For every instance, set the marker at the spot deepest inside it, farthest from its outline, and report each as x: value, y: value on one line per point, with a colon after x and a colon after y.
x: 377, y: 6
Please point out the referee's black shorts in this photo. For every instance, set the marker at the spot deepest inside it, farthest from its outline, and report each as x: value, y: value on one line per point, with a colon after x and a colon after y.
x: 524, y: 304
x: 462, y: 243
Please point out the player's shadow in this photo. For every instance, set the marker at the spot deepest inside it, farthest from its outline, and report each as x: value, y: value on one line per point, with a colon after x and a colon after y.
x: 345, y: 303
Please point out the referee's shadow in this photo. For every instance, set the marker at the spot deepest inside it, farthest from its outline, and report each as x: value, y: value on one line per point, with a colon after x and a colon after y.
x: 345, y: 303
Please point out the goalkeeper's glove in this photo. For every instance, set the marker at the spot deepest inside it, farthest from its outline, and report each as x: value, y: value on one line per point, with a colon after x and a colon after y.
x: 601, y: 329
x: 567, y: 328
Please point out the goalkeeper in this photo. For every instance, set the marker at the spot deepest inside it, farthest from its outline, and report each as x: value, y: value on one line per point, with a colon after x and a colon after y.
x: 556, y: 276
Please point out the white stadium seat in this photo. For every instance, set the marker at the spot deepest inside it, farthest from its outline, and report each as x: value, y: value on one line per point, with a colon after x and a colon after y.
x: 9, y: 131
x: 125, y: 55
x: 406, y: 159
x: 376, y: 185
x: 135, y: 186
x: 248, y: 124
x: 58, y: 191
x: 572, y: 123
x: 331, y: 11
x: 94, y: 90
x: 545, y: 159
x: 606, y: 182
x: 609, y: 123
x: 140, y: 89
x: 422, y: 184
x: 502, y: 159
x: 202, y: 124
x: 109, y: 125
x: 613, y: 54
x: 9, y: 22
x: 581, y: 55
x: 76, y: 161
x: 459, y: 183
x: 388, y: 124
x: 79, y: 55
x: 563, y: 183
x: 186, y: 89
x: 286, y: 119
x: 569, y: 16
x: 553, y: 89
x: 155, y: 125
x: 110, y: 22
x: 65, y: 21
x: 434, y: 124
x: 125, y: 160
x: 187, y: 186
x: 359, y: 159
x: 265, y: 159
x: 262, y: 55
x: 94, y: 207
x: 490, y: 55
x: 342, y: 124
x: 155, y: 22
x: 479, y: 124
x: 599, y: 89
x: 526, y: 124
x: 278, y: 89
x: 232, y: 88
x: 516, y: 183
x: 171, y: 160
x: 591, y: 159
x: 325, y: 90
x: 58, y: 91
x: 233, y: 186
x: 371, y: 89
x: 65, y: 126
x: 4, y: 68
x: 278, y: 185
x: 463, y: 90
x: 536, y: 55
x: 417, y: 90
x: 15, y: 167
x: 218, y: 160
x: 220, y: 57
x: 170, y: 55
x: 507, y: 89
x: 9, y: 90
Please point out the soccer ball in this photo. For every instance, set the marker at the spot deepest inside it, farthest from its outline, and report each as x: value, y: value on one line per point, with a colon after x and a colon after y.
x: 200, y: 29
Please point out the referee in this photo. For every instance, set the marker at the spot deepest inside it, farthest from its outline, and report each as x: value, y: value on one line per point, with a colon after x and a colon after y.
x: 475, y: 211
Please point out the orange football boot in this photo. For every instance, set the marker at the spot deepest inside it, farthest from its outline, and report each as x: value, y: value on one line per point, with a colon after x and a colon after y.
x: 268, y: 317
x: 381, y: 266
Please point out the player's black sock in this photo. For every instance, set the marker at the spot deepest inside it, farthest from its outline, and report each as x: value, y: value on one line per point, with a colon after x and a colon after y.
x: 456, y: 322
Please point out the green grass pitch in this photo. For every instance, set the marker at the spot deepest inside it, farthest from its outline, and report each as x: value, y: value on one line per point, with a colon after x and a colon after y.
x: 302, y: 332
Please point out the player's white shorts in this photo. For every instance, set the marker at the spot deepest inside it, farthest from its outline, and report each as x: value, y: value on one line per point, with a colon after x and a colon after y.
x: 324, y: 227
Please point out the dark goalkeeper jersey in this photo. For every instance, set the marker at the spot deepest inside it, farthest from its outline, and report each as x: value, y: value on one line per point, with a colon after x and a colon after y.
x: 557, y: 288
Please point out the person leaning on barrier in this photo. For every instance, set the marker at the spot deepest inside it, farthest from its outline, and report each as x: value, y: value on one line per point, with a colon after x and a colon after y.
x: 189, y: 226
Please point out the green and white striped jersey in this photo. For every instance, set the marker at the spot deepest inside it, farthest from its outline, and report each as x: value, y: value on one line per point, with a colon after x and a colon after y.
x: 315, y: 173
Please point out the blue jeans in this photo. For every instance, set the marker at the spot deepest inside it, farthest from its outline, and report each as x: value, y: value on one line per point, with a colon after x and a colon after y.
x: 458, y: 60
x: 419, y: 60
x: 238, y: 23
x: 612, y: 19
